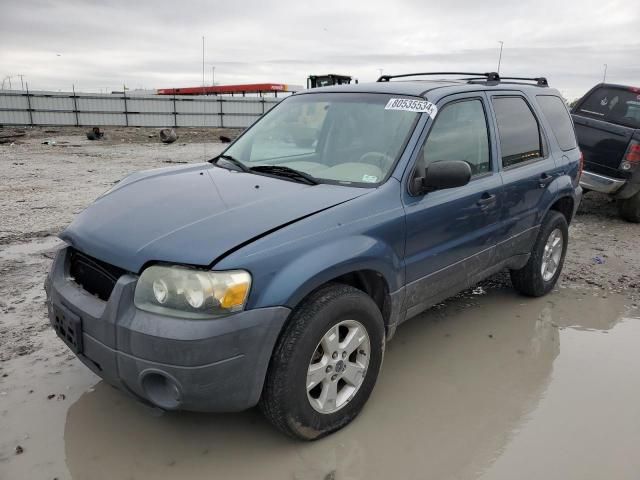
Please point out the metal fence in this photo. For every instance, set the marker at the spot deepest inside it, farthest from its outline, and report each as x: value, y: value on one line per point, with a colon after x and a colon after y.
x: 81, y: 109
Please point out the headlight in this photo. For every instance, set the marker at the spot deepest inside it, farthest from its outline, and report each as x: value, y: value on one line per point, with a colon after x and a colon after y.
x: 191, y: 293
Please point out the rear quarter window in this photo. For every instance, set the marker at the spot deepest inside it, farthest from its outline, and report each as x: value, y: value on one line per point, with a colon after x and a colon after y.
x: 556, y: 113
x: 613, y: 104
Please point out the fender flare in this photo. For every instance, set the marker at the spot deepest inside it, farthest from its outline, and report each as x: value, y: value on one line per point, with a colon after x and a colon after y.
x: 564, y: 189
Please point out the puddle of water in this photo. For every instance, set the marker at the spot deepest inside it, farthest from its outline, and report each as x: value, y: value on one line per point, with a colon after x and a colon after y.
x: 509, y: 388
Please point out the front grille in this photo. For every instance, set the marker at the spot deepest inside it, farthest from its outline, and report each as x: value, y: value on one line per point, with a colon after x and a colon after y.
x: 95, y: 276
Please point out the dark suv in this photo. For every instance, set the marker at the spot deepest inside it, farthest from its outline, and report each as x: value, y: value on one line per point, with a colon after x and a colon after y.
x: 607, y: 121
x: 275, y: 273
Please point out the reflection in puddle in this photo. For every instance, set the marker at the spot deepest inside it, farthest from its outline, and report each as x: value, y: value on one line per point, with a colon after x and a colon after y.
x: 493, y: 390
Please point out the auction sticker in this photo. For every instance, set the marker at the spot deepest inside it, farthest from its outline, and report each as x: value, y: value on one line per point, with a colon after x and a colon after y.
x: 409, y: 105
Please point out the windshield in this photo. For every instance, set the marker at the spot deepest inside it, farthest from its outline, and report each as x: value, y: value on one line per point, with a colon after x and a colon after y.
x: 343, y: 138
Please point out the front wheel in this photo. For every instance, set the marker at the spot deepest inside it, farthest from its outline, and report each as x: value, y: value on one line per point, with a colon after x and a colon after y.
x: 325, y: 364
x: 540, y: 274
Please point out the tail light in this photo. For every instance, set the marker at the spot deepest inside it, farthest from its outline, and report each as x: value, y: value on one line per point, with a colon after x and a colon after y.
x: 632, y: 156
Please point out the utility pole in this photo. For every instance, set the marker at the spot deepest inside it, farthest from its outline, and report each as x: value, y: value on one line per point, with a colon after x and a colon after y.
x: 203, y: 83
x: 604, y: 76
x: 500, y: 57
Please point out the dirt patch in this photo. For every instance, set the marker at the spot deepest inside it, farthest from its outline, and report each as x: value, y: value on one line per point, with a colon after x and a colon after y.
x: 603, y: 250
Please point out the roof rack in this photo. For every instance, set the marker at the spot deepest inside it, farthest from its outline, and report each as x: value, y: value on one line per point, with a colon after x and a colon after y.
x: 540, y: 81
x: 473, y: 77
x: 490, y: 76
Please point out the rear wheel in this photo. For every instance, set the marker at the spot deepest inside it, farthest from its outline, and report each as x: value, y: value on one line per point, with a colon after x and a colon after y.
x: 630, y: 208
x: 325, y: 364
x: 540, y: 274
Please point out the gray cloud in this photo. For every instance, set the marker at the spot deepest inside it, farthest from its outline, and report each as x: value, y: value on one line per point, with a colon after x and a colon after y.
x: 103, y: 44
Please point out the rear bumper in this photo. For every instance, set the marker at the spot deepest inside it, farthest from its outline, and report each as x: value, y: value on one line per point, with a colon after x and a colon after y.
x: 600, y: 183
x: 200, y: 365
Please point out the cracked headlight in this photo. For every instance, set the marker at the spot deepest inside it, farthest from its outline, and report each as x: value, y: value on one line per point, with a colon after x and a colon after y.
x: 191, y: 293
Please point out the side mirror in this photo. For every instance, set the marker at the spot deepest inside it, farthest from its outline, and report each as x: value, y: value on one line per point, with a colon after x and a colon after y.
x: 441, y: 175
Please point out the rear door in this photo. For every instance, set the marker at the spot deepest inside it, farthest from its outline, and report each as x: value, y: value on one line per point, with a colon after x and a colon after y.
x: 451, y: 233
x: 605, y: 121
x: 527, y: 169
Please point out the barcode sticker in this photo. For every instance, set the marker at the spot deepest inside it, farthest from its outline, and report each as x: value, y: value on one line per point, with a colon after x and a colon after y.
x: 409, y: 105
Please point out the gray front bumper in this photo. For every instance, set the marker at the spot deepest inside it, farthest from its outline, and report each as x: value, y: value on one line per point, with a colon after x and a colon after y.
x: 201, y: 365
x: 600, y: 183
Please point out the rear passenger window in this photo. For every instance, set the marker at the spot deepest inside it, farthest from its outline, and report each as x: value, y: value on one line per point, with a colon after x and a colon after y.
x: 557, y: 115
x: 459, y: 133
x: 519, y: 132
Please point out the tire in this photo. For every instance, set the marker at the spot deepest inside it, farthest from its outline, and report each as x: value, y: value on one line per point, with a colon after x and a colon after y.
x: 285, y: 401
x: 630, y: 208
x: 530, y: 280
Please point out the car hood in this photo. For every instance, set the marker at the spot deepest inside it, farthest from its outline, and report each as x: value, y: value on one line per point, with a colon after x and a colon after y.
x: 193, y: 214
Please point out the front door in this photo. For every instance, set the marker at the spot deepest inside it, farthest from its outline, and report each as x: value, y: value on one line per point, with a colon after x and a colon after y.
x: 451, y: 232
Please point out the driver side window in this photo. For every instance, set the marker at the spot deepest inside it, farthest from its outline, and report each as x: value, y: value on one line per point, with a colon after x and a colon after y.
x: 459, y: 133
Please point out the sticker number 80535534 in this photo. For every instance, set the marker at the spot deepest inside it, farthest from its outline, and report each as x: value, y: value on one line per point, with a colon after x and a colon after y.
x: 409, y: 105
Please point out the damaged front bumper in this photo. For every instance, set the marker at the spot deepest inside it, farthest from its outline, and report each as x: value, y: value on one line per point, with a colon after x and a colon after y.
x: 201, y: 365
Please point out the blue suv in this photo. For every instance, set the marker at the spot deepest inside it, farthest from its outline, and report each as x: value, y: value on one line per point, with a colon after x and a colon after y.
x: 275, y: 273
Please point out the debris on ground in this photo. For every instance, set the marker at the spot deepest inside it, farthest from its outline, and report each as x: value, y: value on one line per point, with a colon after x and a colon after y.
x: 224, y: 139
x: 95, y: 134
x: 115, y: 135
x: 49, y: 142
x: 19, y: 450
x: 10, y: 137
x: 168, y: 135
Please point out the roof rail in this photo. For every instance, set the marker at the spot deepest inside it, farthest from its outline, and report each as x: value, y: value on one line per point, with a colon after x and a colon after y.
x: 490, y: 76
x: 540, y: 81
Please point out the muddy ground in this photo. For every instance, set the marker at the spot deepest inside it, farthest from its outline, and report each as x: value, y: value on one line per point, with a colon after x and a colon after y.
x: 488, y: 385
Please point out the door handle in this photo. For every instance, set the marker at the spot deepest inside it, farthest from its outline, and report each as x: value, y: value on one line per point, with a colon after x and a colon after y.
x: 545, y: 179
x: 486, y: 200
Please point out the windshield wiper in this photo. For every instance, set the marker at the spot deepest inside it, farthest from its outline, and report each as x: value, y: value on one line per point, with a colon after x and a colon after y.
x: 282, y: 171
x: 232, y: 160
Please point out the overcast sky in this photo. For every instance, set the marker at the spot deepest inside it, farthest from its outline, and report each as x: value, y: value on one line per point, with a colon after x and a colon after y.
x: 99, y: 45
